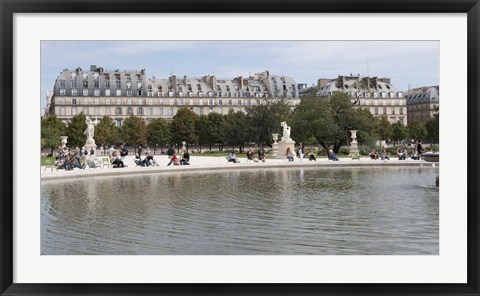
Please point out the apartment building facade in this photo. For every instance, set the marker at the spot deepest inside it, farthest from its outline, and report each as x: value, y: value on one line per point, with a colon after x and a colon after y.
x: 377, y: 95
x: 118, y: 94
x: 423, y: 103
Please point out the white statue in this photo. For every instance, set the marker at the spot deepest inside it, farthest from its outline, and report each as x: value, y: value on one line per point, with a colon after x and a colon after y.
x: 286, y: 130
x: 90, y: 128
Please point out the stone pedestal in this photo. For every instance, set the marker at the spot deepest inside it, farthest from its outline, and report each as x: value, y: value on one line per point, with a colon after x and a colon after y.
x: 275, y: 145
x: 354, y: 152
x: 89, y: 145
x: 283, y: 145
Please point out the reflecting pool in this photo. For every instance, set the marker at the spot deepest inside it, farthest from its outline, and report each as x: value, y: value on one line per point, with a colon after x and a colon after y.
x: 286, y: 211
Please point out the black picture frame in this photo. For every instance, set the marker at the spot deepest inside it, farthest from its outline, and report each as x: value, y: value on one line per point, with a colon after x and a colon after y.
x: 10, y: 7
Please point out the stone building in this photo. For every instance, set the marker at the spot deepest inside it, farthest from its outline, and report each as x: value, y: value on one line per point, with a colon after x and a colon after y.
x: 423, y: 103
x: 98, y: 92
x: 376, y: 94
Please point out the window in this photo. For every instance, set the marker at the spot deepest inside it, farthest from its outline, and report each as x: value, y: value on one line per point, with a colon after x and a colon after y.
x: 140, y: 111
x: 96, y: 101
x: 107, y: 101
x: 74, y: 101
x: 160, y: 112
x: 85, y: 110
x: 107, y: 84
x: 171, y: 101
x: 384, y: 110
x: 96, y: 83
x: 86, y: 101
x: 97, y: 111
x: 210, y: 110
x: 220, y: 110
x: 180, y: 102
x: 107, y: 92
x: 74, y: 83
x: 62, y: 110
x: 129, y: 111
x: 239, y: 102
x: 62, y: 83
x: 220, y: 102
x: 96, y: 92
x: 191, y: 102
x: 85, y: 83
x: 401, y: 110
x: 128, y: 77
x: 201, y: 111
x: 74, y: 110
x: 170, y: 111
x: 211, y: 102
x: 150, y: 111
x: 200, y: 102
x: 74, y: 92
x: 85, y: 91
x: 249, y: 102
x: 376, y: 111
x: 229, y: 102
x: 129, y: 101
x: 118, y: 111
x: 393, y: 110
x: 62, y: 91
x: 129, y: 92
x: 118, y: 122
x: 107, y: 110
x: 401, y: 120
x: 118, y: 84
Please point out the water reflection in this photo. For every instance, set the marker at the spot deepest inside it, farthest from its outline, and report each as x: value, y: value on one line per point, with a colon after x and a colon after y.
x: 277, y: 211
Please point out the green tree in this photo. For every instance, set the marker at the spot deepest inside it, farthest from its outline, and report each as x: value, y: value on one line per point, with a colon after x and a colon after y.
x: 183, y: 126
x: 417, y: 130
x: 329, y: 121
x: 235, y: 130
x: 158, y: 132
x: 432, y: 126
x: 52, y: 128
x: 134, y: 131
x: 76, y: 131
x: 209, y: 129
x: 265, y: 119
x: 383, y: 128
x: 399, y: 132
x: 106, y: 132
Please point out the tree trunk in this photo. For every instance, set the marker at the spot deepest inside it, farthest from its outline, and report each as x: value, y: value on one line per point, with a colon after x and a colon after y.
x: 336, y: 147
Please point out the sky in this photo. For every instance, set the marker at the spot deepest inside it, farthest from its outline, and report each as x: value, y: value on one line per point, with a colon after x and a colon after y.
x: 406, y: 63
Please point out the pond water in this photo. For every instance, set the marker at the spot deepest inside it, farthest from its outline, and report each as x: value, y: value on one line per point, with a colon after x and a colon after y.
x: 287, y: 211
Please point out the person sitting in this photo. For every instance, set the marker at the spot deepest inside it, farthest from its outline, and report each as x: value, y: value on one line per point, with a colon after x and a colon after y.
x: 261, y: 155
x: 289, y: 154
x: 175, y: 159
x: 373, y: 154
x: 185, y: 159
x: 250, y: 155
x: 148, y: 160
x: 332, y: 155
x: 116, y: 161
x: 311, y: 156
x: 414, y: 154
x: 138, y: 160
x: 232, y: 158
x: 402, y: 155
x: 384, y: 155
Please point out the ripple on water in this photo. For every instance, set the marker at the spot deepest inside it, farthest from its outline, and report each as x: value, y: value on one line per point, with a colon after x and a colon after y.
x: 267, y: 211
